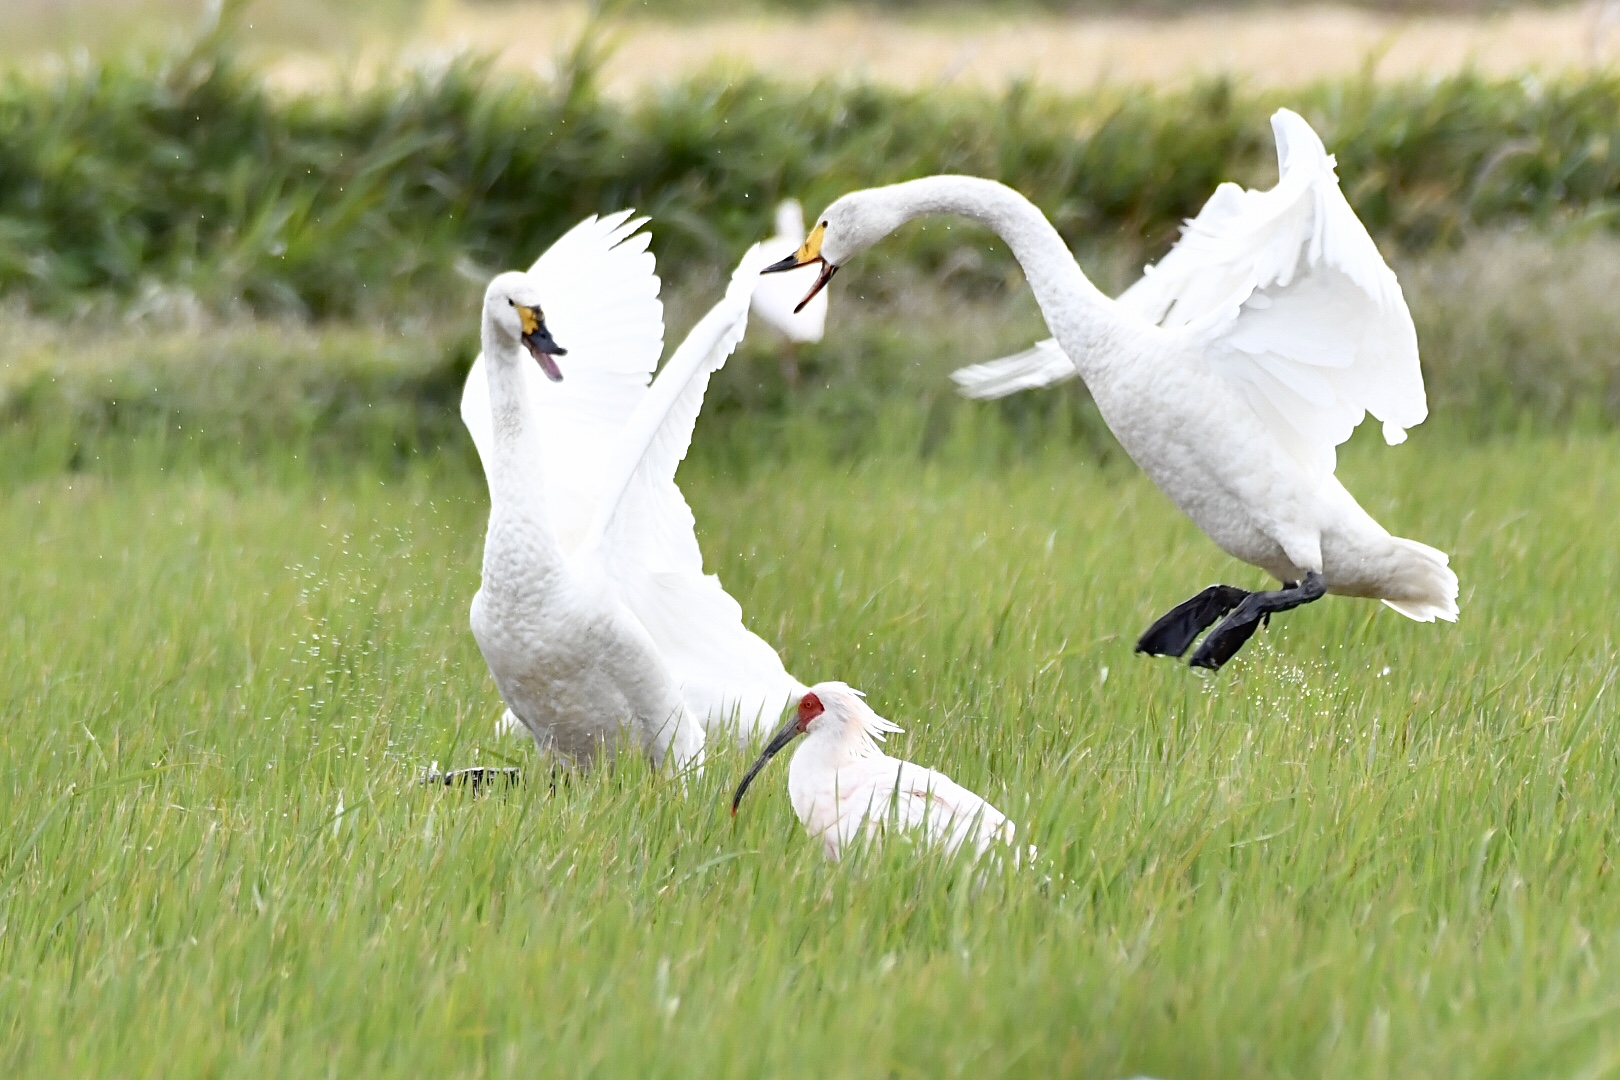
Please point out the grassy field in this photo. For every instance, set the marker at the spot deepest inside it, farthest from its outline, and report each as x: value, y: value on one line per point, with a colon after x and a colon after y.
x: 1368, y: 849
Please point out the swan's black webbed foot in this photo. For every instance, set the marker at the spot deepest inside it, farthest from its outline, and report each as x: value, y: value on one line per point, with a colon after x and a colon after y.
x: 1226, y: 639
x: 478, y: 777
x: 1174, y: 631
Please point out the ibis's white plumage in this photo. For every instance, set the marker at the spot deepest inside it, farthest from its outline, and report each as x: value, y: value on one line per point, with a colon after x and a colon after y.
x: 590, y: 537
x: 1303, y: 316
x: 777, y: 295
x: 843, y: 785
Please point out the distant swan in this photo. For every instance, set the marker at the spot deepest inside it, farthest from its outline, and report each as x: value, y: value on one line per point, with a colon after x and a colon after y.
x: 594, y: 613
x: 776, y: 299
x: 1229, y: 374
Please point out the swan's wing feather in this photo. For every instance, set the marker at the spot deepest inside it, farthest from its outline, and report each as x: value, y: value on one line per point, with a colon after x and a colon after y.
x: 1305, y: 319
x: 1044, y: 364
x: 599, y: 290
x: 646, y: 538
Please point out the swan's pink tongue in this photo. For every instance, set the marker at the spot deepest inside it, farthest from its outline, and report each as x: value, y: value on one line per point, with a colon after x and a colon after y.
x: 548, y: 364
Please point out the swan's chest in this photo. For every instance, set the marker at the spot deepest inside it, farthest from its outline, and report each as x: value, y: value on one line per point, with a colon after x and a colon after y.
x: 1196, y: 440
x: 566, y: 668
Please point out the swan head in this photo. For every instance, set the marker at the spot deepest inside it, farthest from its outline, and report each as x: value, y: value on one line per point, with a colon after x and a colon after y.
x: 513, y: 315
x: 829, y: 712
x: 848, y: 227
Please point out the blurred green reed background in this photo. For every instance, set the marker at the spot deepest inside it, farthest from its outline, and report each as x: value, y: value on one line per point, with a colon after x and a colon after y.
x: 185, y: 249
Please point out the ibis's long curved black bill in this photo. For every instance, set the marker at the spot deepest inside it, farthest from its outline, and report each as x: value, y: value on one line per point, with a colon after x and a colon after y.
x: 786, y: 734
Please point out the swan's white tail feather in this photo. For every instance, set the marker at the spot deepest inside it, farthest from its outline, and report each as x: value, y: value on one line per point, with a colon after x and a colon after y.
x: 1426, y: 584
x: 1043, y: 365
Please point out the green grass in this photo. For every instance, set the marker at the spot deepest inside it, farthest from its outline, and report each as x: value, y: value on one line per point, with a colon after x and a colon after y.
x: 1369, y: 849
x: 1519, y: 333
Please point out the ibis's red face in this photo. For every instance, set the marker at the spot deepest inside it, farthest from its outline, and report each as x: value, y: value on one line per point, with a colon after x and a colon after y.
x: 809, y: 708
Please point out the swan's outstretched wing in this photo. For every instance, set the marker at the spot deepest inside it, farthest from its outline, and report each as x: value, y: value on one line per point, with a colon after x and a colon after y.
x: 1305, y: 318
x: 1314, y: 333
x: 646, y: 538
x: 599, y: 289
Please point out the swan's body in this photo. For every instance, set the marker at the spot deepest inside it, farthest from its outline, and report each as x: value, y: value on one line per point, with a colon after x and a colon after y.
x: 776, y: 298
x: 842, y: 785
x: 594, y: 613
x: 1249, y: 354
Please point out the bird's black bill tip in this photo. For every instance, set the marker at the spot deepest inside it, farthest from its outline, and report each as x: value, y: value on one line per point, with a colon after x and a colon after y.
x: 786, y: 734
x: 545, y: 351
x: 781, y: 265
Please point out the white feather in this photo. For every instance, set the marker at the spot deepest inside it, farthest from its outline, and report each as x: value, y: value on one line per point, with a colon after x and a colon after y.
x: 777, y: 295
x: 842, y: 785
x: 601, y: 290
x: 611, y: 445
x: 1305, y: 319
x: 644, y: 533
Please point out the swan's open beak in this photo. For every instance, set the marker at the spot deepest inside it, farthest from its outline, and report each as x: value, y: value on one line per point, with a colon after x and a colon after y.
x: 786, y: 734
x: 809, y: 252
x: 538, y: 340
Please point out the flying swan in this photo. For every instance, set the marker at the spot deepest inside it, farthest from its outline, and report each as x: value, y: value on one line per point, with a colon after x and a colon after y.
x: 1229, y: 373
x: 594, y: 614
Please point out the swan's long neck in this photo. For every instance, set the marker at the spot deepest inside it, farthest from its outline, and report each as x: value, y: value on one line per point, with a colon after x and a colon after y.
x: 516, y: 490
x: 1084, y: 320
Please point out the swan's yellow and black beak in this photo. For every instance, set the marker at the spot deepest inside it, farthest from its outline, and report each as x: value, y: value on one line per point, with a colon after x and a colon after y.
x: 809, y: 252
x: 538, y: 340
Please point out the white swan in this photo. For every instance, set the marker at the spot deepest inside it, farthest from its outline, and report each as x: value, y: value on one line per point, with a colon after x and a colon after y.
x: 594, y: 613
x: 776, y: 299
x: 842, y: 784
x: 1246, y: 357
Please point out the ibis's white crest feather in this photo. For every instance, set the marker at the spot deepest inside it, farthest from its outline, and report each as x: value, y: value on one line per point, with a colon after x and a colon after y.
x: 1304, y: 318
x: 611, y: 445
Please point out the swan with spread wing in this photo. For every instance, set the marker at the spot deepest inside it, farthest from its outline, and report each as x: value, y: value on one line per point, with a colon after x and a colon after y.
x: 594, y: 613
x: 1230, y: 373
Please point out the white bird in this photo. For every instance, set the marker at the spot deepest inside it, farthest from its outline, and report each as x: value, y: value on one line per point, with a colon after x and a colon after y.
x: 776, y: 299
x: 842, y: 784
x: 1229, y: 374
x: 594, y: 614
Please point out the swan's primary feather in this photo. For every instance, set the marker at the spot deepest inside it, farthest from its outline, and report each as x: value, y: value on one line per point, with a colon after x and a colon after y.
x: 1306, y: 320
x: 601, y: 305
x: 644, y: 532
